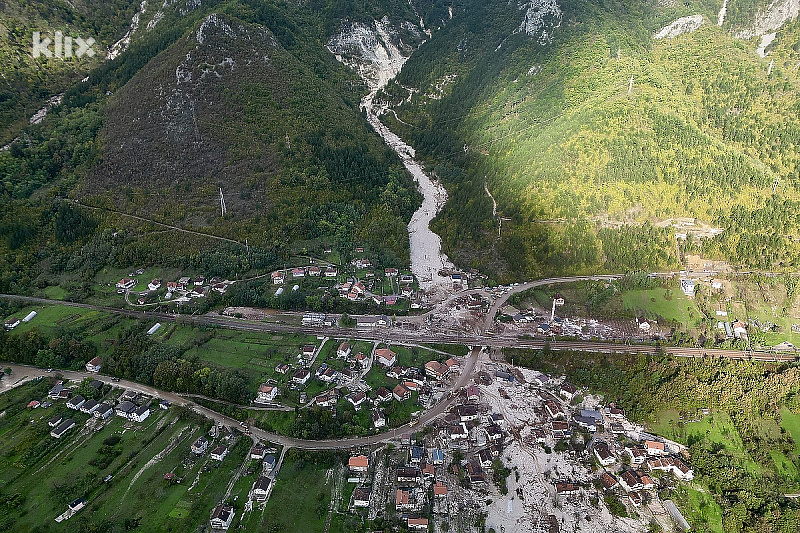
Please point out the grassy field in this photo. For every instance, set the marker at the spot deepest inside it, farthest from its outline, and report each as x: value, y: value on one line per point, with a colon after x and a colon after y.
x: 592, y: 299
x: 52, y: 319
x: 49, y: 473
x: 300, y: 499
x: 670, y: 304
x: 717, y: 427
x: 254, y: 353
x: 699, y: 507
x: 791, y: 423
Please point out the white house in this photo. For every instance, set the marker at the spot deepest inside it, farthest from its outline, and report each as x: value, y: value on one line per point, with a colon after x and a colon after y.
x: 385, y: 357
x: 76, y: 402
x: 219, y: 453
x: 139, y: 415
x: 302, y: 376
x: 378, y: 418
x: 222, y: 517
x: 126, y: 284
x: 261, y: 488
x: 266, y: 393
x: 687, y: 286
x: 361, y: 497
x: 344, y: 350
x: 94, y: 365
x: 200, y: 445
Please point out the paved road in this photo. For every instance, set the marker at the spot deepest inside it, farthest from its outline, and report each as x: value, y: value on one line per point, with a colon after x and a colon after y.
x: 30, y: 372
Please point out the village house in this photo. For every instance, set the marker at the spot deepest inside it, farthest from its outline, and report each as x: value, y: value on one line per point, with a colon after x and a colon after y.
x: 361, y: 497
x: 331, y: 272
x: 344, y: 350
x: 385, y: 357
x: 56, y: 420
x: 257, y: 452
x: 356, y: 398
x: 154, y: 285
x: 643, y: 323
x: 603, y: 454
x: 475, y: 472
x: 566, y: 488
x: 586, y: 423
x: 62, y: 428
x: 222, y: 517
x: 608, y: 481
x: 301, y: 376
x: 638, y: 455
x: 673, y: 465
x: 200, y: 446
x: 308, y: 350
x: 327, y: 398
x: 298, y: 273
x: 89, y: 407
x: 391, y: 272
x: 466, y: 413
x: 219, y: 453
x: 553, y: 410
x: 282, y: 368
x: 383, y: 395
x: 458, y: 432
x: 94, y: 364
x: 401, y: 392
x: 140, y: 414
x: 419, y: 524
x: 402, y: 500
x: 103, y: 411
x: 439, y: 490
x: 655, y: 448
x: 473, y: 393
x: 416, y: 454
x: 266, y: 393
x: 358, y: 463
x: 540, y: 380
x: 314, y: 271
x: 327, y: 374
x: 76, y: 402
x: 407, y: 475
x: 629, y: 481
x: 437, y: 456
x: 378, y: 418
x: 126, y: 284
x: 567, y: 391
x: 261, y: 488
x: 435, y: 369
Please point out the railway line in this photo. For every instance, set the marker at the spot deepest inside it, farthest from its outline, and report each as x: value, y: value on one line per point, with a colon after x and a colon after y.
x: 400, y: 336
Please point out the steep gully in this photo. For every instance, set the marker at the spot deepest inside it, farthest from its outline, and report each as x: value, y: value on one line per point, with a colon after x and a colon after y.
x: 377, y: 53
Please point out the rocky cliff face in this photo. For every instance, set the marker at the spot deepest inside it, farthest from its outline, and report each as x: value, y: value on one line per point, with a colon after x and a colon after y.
x: 772, y: 18
x: 542, y: 18
x: 376, y: 50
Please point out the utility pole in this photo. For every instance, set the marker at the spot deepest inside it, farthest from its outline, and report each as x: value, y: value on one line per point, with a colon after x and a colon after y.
x: 630, y: 85
x: 222, y: 203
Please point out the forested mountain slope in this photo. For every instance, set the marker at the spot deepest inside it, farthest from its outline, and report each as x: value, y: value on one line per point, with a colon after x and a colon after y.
x: 593, y: 135
x: 238, y: 95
